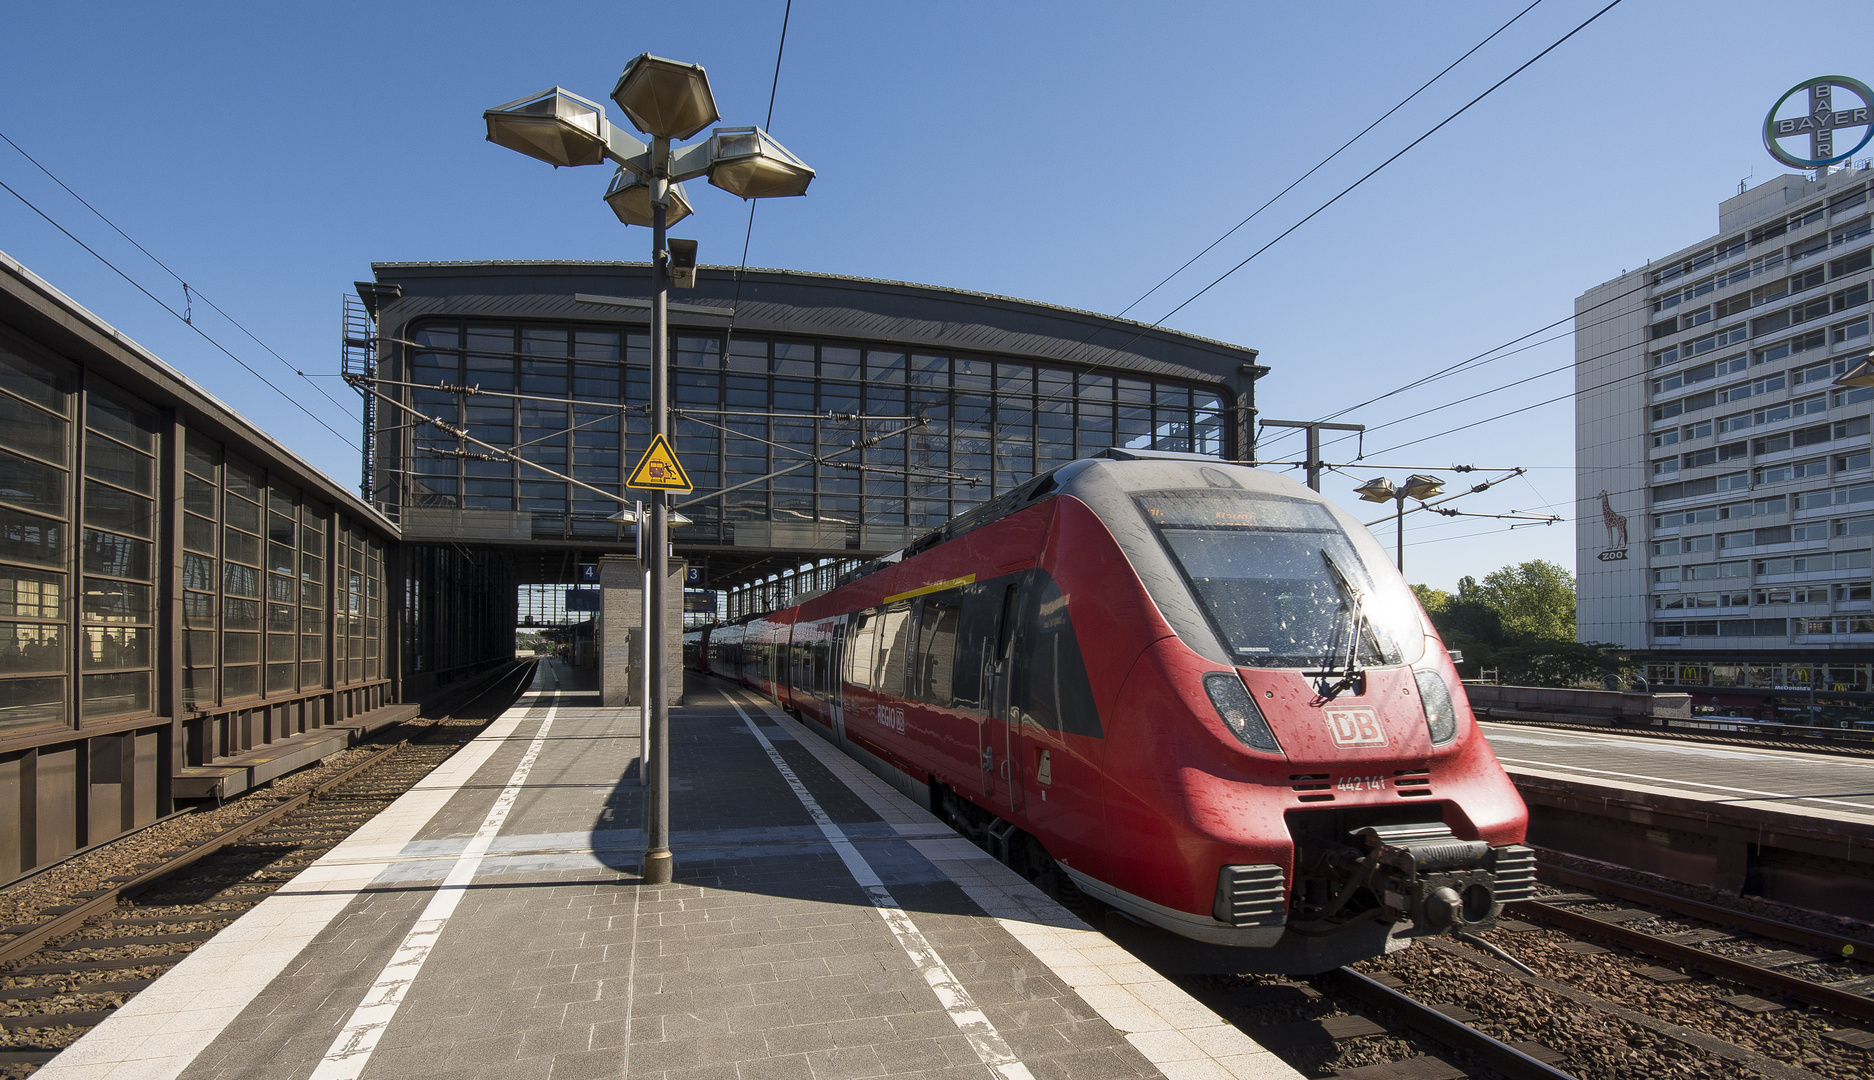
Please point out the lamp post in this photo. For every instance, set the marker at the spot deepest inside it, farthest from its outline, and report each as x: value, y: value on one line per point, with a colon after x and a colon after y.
x: 1417, y: 486
x: 635, y: 516
x: 668, y: 101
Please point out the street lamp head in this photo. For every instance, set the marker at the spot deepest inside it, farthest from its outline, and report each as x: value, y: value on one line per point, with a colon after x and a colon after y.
x: 1421, y: 487
x: 1377, y: 490
x: 558, y: 127
x: 629, y: 196
x: 665, y: 98
x: 748, y: 162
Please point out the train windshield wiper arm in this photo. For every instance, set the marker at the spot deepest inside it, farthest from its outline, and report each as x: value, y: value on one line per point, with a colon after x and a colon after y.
x: 1353, y: 601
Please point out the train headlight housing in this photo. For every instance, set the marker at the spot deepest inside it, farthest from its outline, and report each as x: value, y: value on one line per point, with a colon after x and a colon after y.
x: 1239, y: 712
x: 1441, y: 716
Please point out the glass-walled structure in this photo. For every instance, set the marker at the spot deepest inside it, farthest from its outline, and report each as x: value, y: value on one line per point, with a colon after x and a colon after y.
x: 830, y: 418
x: 871, y: 445
x: 178, y: 593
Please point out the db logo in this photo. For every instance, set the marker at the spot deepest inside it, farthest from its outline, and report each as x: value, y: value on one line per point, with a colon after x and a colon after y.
x: 1355, y: 726
x: 891, y: 718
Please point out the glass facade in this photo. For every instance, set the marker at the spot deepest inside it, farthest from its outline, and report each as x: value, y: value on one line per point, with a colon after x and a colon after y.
x: 1758, y: 465
x: 249, y: 563
x: 813, y: 445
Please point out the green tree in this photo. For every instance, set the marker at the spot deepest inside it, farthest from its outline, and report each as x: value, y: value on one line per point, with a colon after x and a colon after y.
x: 1519, y: 620
x: 1535, y: 600
x: 1432, y: 600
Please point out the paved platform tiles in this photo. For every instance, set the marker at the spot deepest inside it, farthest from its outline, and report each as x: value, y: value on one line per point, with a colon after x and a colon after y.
x: 491, y: 923
x: 1787, y: 781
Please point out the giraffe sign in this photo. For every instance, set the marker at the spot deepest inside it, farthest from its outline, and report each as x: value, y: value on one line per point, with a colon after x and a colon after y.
x: 1616, y: 532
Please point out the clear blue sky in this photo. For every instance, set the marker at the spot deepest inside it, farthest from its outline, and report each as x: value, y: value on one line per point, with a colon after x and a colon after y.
x: 1073, y: 153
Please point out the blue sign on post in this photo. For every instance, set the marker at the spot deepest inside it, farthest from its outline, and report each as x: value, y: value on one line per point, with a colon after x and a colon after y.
x: 694, y: 575
x: 589, y: 574
x: 582, y: 600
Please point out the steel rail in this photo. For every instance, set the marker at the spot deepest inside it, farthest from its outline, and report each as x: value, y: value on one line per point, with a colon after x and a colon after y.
x: 1724, y: 967
x: 1712, y: 913
x: 31, y: 941
x: 1498, y: 1055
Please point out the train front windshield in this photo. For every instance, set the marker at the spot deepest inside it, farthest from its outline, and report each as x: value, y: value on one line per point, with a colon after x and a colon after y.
x: 1280, y: 580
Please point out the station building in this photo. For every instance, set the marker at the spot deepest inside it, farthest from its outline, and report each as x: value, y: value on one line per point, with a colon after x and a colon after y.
x: 1725, y: 500
x: 189, y: 609
x: 824, y: 420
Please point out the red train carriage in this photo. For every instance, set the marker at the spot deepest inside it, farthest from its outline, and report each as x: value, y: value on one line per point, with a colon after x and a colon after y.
x: 1195, y: 692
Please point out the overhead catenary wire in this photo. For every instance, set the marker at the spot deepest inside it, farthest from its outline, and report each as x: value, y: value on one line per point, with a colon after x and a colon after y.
x: 1485, y: 357
x: 1350, y: 188
x: 748, y: 235
x: 1143, y: 329
x: 1319, y: 165
x: 189, y: 292
x: 179, y: 315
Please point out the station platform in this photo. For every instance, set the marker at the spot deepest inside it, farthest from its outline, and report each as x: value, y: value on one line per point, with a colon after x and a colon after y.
x: 1786, y: 825
x: 1787, y: 781
x: 491, y: 923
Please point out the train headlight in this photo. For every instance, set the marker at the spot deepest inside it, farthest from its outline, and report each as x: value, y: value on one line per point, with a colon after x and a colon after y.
x: 1441, y: 716
x: 1238, y: 711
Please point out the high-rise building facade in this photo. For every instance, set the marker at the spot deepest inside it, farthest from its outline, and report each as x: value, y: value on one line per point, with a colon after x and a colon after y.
x: 1725, y: 501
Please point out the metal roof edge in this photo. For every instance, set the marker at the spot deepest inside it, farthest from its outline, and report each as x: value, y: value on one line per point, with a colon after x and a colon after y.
x: 811, y: 276
x: 230, y: 418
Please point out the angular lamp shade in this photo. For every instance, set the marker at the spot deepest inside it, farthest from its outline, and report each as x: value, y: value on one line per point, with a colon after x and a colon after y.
x: 1378, y: 490
x: 746, y: 162
x: 666, y: 98
x: 557, y: 127
x: 1421, y: 487
x: 629, y: 196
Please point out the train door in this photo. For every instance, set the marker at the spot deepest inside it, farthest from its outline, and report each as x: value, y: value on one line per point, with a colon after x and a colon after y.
x: 836, y: 682
x: 1003, y: 754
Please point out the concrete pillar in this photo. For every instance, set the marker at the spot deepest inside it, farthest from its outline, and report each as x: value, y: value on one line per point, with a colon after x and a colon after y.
x: 620, y: 614
x: 673, y: 629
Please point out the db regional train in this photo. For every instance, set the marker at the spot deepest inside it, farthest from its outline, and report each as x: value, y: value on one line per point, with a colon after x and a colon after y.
x: 1194, y: 692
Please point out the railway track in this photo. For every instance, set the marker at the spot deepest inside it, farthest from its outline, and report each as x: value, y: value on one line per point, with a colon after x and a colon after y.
x: 1733, y: 1002
x: 67, y: 971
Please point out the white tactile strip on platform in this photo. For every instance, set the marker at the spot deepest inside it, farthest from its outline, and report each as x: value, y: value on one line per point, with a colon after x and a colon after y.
x: 1175, y: 1032
x: 158, y: 1033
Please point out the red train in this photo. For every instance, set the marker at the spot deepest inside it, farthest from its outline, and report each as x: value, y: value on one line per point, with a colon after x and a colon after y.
x: 1194, y: 692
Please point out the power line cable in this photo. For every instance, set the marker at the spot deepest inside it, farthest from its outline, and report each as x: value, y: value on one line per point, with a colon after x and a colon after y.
x: 189, y: 293
x: 1369, y: 175
x: 1482, y: 393
x: 204, y: 335
x: 1344, y: 192
x: 774, y: 90
x: 1485, y: 357
x: 1403, y: 102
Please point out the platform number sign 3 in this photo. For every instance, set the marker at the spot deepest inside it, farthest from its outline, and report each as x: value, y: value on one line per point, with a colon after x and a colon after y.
x: 1354, y: 726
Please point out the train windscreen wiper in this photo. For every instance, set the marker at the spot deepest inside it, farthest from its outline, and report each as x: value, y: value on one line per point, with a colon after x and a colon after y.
x: 1353, y: 603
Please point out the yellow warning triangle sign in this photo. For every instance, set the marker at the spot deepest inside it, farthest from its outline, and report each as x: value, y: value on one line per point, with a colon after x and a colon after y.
x: 659, y: 470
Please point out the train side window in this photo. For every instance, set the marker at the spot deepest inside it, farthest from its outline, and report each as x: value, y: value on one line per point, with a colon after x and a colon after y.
x: 894, y: 649
x: 1049, y: 677
x: 859, y: 649
x: 935, y: 659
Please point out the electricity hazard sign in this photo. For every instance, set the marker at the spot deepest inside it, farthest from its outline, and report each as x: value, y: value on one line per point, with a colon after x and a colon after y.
x: 658, y: 469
